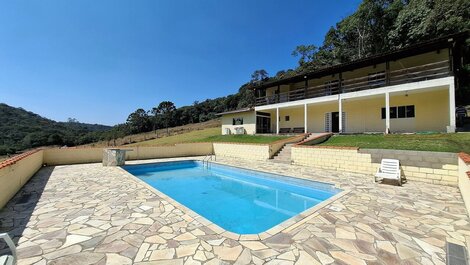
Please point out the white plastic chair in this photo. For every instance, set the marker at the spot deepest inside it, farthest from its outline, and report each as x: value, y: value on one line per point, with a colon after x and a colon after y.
x: 8, y: 259
x: 389, y: 169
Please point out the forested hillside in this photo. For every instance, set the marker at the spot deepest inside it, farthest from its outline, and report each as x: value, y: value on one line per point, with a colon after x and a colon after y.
x: 21, y: 129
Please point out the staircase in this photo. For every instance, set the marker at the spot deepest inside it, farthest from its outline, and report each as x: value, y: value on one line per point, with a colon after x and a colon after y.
x: 284, y: 154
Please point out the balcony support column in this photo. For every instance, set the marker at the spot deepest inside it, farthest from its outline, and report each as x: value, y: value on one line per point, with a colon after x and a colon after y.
x: 387, y: 113
x: 305, y: 118
x: 277, y: 120
x: 340, y: 110
x: 452, y: 122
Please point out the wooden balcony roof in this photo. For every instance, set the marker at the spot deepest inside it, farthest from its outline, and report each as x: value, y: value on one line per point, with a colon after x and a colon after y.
x: 423, y: 47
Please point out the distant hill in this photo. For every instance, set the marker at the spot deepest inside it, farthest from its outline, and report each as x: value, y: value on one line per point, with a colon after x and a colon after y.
x: 21, y: 129
x: 160, y: 135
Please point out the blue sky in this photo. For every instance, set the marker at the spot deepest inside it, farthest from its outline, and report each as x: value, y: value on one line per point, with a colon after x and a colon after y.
x: 97, y: 61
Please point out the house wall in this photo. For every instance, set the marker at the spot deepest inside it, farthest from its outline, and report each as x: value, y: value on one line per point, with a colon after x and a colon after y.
x: 431, y: 113
x: 365, y: 114
x: 316, y: 116
x: 249, y: 122
x: 296, y: 117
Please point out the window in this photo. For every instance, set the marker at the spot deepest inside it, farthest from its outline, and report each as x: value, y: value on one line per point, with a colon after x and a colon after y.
x: 376, y: 79
x: 400, y: 112
x: 410, y: 111
x: 393, y: 112
x: 287, y: 118
x: 237, y: 121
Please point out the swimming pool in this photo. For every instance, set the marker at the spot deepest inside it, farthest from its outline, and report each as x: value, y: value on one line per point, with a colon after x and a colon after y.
x: 238, y: 200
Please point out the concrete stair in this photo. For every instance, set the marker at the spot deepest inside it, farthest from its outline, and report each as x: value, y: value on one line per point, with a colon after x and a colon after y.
x: 284, y: 155
x: 312, y: 136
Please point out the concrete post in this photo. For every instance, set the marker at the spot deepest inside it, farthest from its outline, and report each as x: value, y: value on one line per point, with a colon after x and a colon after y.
x: 387, y: 113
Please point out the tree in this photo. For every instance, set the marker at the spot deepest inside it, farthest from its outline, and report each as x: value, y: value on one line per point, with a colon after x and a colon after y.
x: 138, y: 121
x: 72, y: 120
x: 247, y: 97
x: 306, y: 54
x: 258, y: 76
x: 166, y: 110
x: 422, y: 20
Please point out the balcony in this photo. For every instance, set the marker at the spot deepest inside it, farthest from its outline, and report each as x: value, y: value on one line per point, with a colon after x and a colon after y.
x: 371, y: 81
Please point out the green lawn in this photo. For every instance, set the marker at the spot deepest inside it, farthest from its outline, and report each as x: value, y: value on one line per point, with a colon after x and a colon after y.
x: 455, y: 142
x: 209, y: 135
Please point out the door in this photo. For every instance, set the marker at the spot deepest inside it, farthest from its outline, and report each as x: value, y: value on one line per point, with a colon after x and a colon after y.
x: 263, y: 124
x: 335, y: 122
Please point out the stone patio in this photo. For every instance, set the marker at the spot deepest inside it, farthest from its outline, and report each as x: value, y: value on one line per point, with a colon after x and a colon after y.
x: 90, y: 214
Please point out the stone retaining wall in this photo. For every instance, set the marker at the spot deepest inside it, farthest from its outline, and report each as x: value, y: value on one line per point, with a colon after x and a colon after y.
x: 430, y: 167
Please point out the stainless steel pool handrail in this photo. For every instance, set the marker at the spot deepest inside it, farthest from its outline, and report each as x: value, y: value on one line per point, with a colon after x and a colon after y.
x: 209, y: 158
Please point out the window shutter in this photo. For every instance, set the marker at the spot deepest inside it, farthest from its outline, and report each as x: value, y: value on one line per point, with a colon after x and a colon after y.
x: 328, y: 122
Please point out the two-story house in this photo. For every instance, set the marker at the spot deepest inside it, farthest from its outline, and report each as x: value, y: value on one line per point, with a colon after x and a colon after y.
x: 407, y: 90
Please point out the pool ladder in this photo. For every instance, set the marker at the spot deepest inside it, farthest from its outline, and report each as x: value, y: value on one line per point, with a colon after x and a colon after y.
x: 207, y: 158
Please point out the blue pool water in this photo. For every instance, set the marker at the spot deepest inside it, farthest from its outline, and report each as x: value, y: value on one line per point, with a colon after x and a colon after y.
x: 238, y: 200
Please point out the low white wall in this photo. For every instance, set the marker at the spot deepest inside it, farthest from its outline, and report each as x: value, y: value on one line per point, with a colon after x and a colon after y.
x: 245, y: 151
x: 16, y: 171
x: 163, y: 151
x: 65, y: 156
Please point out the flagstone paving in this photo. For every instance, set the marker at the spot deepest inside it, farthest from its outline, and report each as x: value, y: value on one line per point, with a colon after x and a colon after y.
x: 90, y: 214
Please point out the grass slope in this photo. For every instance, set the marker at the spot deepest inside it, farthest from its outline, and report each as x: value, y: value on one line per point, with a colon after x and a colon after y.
x: 209, y: 135
x: 457, y: 142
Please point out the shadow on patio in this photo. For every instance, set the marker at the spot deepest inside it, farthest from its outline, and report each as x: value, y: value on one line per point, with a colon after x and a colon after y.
x: 15, y: 216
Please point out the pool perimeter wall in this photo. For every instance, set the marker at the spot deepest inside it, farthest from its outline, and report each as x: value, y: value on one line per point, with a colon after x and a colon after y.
x: 430, y: 167
x: 66, y: 156
x: 17, y: 170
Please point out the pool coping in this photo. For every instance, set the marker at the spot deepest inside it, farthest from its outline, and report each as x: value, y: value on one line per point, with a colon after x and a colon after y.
x: 284, y: 226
